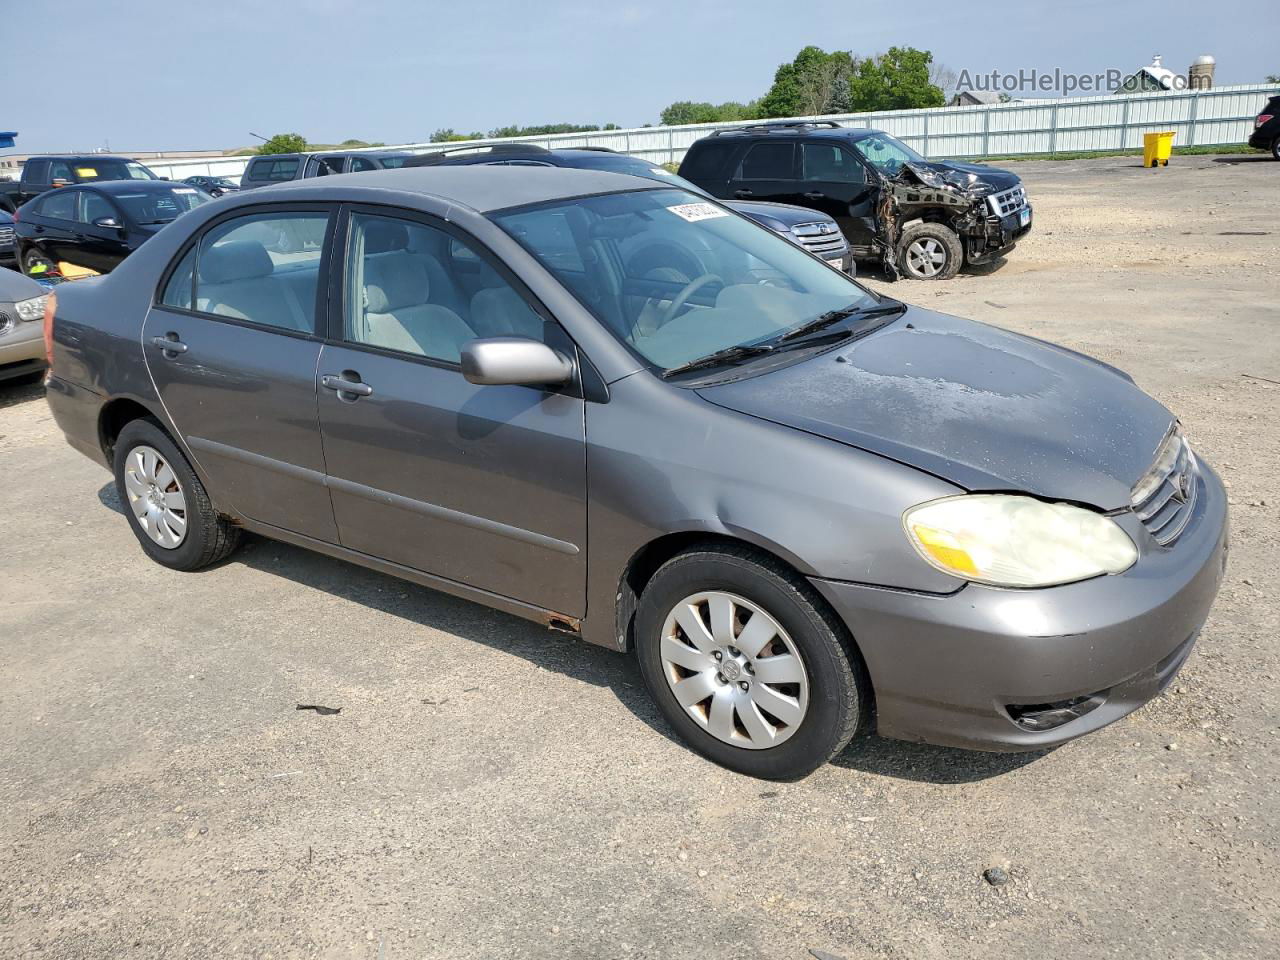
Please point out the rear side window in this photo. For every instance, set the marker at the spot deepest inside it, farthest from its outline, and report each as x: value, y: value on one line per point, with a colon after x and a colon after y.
x: 768, y: 161
x: 60, y: 205
x: 36, y: 171
x: 705, y: 159
x: 274, y: 169
x: 361, y: 163
x: 264, y: 269
x: 177, y: 292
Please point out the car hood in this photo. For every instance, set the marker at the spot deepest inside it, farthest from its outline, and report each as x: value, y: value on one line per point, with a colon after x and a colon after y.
x: 977, y: 406
x: 15, y: 286
x: 970, y: 177
x: 784, y: 215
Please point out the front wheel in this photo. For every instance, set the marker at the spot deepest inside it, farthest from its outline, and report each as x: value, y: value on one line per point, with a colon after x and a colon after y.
x: 1275, y: 149
x: 167, y: 505
x: 746, y: 663
x: 929, y: 251
x: 36, y: 265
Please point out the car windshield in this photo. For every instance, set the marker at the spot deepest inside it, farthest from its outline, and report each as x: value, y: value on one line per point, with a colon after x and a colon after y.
x: 160, y: 206
x: 886, y: 153
x: 90, y: 171
x: 621, y: 163
x: 677, y: 278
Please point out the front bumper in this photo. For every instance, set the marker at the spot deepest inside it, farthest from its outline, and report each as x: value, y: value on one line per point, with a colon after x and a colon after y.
x: 22, y: 346
x: 947, y: 669
x: 999, y: 236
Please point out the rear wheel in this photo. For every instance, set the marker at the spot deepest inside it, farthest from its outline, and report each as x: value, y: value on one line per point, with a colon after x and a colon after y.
x: 36, y: 264
x: 747, y: 665
x: 1275, y: 148
x: 929, y: 251
x: 165, y: 502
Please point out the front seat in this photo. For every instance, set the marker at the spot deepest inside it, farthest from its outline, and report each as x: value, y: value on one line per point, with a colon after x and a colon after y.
x: 501, y: 312
x: 236, y: 280
x: 399, y: 315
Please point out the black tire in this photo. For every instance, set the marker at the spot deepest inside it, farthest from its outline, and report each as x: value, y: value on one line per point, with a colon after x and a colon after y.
x: 1275, y: 149
x: 942, y: 239
x: 32, y: 259
x: 839, y: 692
x: 209, y: 537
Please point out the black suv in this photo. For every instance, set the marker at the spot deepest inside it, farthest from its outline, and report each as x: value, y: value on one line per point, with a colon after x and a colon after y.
x: 283, y: 167
x: 819, y: 234
x: 924, y: 219
x: 1266, y: 128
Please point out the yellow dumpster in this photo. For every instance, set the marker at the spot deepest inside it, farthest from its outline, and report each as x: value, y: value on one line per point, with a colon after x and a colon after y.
x: 1157, y: 148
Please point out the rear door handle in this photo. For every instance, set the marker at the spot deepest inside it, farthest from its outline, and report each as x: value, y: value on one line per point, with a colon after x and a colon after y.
x: 743, y: 194
x: 342, y: 385
x: 171, y: 345
x: 815, y: 195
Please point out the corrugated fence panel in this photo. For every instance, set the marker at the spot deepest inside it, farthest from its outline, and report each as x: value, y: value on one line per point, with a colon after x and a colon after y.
x: 1205, y: 118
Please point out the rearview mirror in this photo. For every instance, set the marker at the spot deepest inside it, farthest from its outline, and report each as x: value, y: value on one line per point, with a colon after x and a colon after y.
x: 497, y: 361
x: 107, y: 223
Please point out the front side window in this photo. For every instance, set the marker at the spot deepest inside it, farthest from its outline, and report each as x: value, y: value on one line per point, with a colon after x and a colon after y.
x: 887, y: 154
x: 263, y: 268
x: 94, y: 206
x: 831, y: 163
x: 362, y: 163
x: 390, y: 163
x: 417, y: 290
x: 768, y: 161
x: 676, y: 277
x: 59, y: 206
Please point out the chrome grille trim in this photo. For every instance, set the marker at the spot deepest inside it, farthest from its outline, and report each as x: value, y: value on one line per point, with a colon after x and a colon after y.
x: 6, y: 236
x: 1167, y: 510
x: 1007, y: 202
x: 819, y: 238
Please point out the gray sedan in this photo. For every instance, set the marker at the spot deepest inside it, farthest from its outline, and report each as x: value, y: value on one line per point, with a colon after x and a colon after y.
x: 622, y: 410
x: 22, y: 303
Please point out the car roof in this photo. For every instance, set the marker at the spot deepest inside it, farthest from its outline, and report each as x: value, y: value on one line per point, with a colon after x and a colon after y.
x: 764, y: 131
x: 81, y: 157
x: 483, y: 188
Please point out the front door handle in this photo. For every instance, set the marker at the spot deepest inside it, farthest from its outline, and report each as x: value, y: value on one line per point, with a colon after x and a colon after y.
x: 171, y: 345
x: 743, y: 194
x: 815, y: 195
x: 349, y: 383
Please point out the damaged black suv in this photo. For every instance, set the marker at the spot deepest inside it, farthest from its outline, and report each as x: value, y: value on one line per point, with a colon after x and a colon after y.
x: 921, y: 218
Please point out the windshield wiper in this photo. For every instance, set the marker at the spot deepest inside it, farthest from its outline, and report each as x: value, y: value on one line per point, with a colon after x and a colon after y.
x: 727, y: 355
x: 835, y: 316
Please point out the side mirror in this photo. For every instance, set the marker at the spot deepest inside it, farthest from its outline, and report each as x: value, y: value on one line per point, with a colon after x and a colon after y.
x: 60, y: 182
x: 107, y: 223
x: 497, y: 361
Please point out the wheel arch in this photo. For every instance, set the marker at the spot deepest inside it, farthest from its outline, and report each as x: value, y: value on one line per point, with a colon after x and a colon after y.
x: 118, y: 413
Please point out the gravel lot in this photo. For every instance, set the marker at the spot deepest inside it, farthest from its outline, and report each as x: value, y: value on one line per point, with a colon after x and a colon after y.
x: 493, y: 790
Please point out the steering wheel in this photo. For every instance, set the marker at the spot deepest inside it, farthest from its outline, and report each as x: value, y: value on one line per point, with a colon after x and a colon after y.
x: 683, y: 296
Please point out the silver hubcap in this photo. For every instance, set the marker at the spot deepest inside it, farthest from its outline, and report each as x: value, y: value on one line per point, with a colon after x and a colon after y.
x: 734, y: 670
x: 155, y: 497
x: 926, y: 257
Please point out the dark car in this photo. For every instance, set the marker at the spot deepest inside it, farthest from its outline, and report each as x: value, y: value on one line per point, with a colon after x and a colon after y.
x: 923, y: 219
x: 818, y: 234
x: 96, y: 226
x: 8, y: 248
x: 213, y: 186
x: 283, y: 167
x: 1266, y: 128
x: 44, y: 173
x: 802, y: 504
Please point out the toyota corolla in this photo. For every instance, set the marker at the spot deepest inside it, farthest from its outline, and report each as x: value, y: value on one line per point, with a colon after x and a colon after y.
x: 621, y: 410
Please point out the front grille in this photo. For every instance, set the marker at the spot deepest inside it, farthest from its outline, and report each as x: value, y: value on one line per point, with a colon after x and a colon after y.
x: 1010, y: 201
x: 1165, y: 498
x: 6, y: 323
x: 6, y: 236
x: 821, y: 238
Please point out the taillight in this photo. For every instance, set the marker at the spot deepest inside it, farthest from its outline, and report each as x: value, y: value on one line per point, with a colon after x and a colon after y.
x: 1262, y: 118
x: 15, y: 216
x: 50, y: 305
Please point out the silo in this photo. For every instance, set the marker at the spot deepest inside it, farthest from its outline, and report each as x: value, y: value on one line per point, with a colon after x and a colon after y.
x: 1200, y: 76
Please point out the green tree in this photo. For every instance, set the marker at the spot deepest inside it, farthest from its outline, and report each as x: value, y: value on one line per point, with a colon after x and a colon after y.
x: 446, y: 135
x: 1273, y: 78
x: 285, y: 143
x: 686, y: 111
x: 897, y: 80
x: 813, y: 84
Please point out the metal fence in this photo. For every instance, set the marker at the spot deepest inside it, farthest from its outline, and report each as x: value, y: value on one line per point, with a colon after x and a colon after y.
x: 1220, y: 116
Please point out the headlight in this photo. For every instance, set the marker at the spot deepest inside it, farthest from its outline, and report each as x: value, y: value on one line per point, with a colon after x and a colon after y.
x: 1013, y: 541
x: 32, y: 309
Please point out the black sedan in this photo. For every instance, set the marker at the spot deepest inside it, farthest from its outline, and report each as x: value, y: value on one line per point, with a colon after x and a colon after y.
x: 214, y: 186
x: 91, y: 228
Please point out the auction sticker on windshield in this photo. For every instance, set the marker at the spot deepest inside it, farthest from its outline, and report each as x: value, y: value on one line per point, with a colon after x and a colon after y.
x: 693, y: 212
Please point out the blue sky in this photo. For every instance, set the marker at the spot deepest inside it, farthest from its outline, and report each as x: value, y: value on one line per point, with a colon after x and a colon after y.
x: 144, y: 75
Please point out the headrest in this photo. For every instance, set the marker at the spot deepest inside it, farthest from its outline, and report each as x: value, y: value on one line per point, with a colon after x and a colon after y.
x: 394, y: 283
x: 237, y: 260
x: 380, y: 236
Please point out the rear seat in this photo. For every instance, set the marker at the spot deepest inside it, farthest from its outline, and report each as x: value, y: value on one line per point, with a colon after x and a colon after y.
x: 236, y: 281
